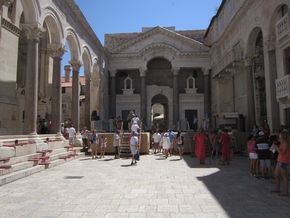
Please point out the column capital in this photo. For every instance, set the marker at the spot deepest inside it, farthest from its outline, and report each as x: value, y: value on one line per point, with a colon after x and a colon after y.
x: 249, y: 59
x: 56, y: 50
x: 175, y: 70
x: 205, y: 70
x: 113, y: 72
x: 143, y: 71
x: 33, y: 31
x: 76, y: 65
x: 6, y: 2
x: 270, y: 41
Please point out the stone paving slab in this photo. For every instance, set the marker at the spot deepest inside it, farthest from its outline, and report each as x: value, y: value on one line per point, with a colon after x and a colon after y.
x: 155, y: 187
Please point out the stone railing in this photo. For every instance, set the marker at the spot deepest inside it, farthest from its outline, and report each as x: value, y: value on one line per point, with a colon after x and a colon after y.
x: 282, y: 27
x: 283, y: 87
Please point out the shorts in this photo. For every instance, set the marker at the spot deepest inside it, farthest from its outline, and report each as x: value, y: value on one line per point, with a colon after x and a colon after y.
x: 265, y: 162
x: 180, y: 146
x: 215, y: 148
x: 94, y: 146
x: 133, y: 149
x: 71, y: 140
x: 156, y: 144
x: 282, y: 165
x: 253, y: 156
x: 171, y: 145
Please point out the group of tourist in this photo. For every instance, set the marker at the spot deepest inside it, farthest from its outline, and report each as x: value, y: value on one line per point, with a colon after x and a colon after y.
x: 270, y: 153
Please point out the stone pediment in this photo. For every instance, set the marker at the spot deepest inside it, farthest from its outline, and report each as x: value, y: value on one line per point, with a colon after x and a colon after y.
x: 162, y: 38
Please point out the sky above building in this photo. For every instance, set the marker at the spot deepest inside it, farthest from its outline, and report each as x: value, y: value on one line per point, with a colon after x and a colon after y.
x: 126, y: 16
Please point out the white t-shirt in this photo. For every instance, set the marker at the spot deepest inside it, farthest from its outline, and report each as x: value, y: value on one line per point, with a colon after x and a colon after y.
x: 71, y: 132
x: 135, y: 120
x: 116, y: 140
x: 156, y: 137
x: 135, y: 127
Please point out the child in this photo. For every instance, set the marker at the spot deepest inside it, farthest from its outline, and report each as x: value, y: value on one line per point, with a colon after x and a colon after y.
x: 103, y: 145
x: 252, y: 151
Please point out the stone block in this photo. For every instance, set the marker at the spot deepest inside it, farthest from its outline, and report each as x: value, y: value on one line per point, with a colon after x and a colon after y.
x: 25, y: 149
x: 42, y: 146
x: 55, y: 145
x: 7, y: 152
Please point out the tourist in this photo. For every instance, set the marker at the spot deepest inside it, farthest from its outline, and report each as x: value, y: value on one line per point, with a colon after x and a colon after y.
x: 156, y: 139
x: 118, y: 123
x: 135, y: 127
x: 225, y: 140
x: 283, y: 161
x: 195, y: 123
x: 103, y: 145
x: 200, y: 139
x: 84, y: 134
x: 233, y: 145
x: 116, y: 144
x: 129, y: 119
x: 252, y: 152
x: 94, y: 144
x: 255, y: 131
x: 264, y: 154
x: 171, y: 137
x: 214, y: 137
x: 166, y: 144
x: 71, y: 135
x: 180, y: 143
x: 134, y: 146
x: 136, y: 119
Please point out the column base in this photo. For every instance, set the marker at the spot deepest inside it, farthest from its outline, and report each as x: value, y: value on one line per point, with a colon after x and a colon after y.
x: 34, y: 137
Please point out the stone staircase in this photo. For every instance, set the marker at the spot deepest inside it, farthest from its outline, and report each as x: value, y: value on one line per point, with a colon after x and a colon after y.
x: 27, y: 159
x: 125, y: 150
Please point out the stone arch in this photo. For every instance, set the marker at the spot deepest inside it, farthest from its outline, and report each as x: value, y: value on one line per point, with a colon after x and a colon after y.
x: 55, y: 29
x: 251, y: 41
x: 87, y: 60
x: 74, y: 44
x: 31, y: 10
x: 158, y: 51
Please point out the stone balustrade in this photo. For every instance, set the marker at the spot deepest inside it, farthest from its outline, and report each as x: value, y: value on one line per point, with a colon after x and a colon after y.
x: 283, y: 87
x: 282, y: 27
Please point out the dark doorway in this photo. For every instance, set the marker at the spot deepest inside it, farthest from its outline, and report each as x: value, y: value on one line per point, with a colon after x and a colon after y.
x: 189, y: 115
x: 124, y: 118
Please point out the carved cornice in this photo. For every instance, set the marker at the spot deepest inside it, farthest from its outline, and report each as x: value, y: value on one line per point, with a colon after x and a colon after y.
x: 164, y: 32
x: 205, y: 70
x: 113, y: 72
x: 76, y: 65
x: 175, y: 71
x: 33, y: 31
x: 202, y: 54
x: 143, y: 71
x: 10, y: 27
x: 56, y: 50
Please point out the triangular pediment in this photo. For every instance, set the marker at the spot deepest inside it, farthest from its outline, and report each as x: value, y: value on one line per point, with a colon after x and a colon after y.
x: 159, y: 37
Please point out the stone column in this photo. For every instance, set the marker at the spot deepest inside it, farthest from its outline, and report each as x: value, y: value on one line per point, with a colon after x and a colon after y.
x: 113, y: 93
x: 56, y: 51
x: 143, y: 99
x: 251, y: 115
x: 88, y: 100
x: 175, y: 72
x: 274, y: 112
x: 33, y: 32
x: 75, y: 107
x: 207, y: 106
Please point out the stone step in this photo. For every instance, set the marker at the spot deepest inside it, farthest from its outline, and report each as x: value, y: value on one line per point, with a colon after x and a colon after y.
x: 21, y: 173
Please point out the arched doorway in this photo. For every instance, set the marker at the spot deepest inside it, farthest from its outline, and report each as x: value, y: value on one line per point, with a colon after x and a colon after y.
x: 159, y: 112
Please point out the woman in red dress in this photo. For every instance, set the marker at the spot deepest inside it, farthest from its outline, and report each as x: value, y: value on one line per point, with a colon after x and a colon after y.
x: 225, y: 141
x: 199, y: 139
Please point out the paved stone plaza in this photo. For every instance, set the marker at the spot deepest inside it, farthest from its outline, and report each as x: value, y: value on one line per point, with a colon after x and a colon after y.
x: 156, y: 187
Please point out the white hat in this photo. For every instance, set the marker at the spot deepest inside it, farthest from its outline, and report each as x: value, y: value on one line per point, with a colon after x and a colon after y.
x: 261, y: 133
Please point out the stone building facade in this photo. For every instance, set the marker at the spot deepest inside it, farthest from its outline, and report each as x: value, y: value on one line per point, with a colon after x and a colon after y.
x: 236, y: 71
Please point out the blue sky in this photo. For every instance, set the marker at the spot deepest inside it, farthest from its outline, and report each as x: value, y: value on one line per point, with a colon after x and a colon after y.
x: 125, y: 16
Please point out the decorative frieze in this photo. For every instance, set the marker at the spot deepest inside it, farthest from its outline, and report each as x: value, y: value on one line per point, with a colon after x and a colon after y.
x: 10, y: 27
